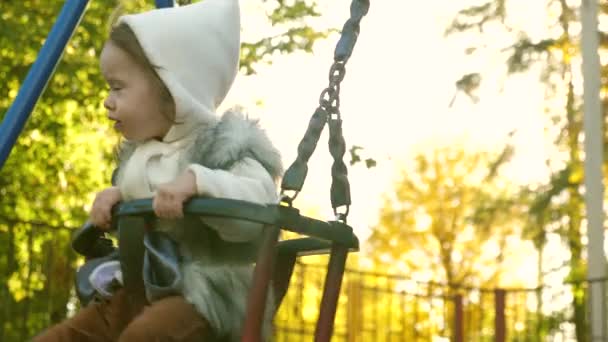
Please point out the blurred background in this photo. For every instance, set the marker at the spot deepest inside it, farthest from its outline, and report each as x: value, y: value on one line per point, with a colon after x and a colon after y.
x: 464, y: 129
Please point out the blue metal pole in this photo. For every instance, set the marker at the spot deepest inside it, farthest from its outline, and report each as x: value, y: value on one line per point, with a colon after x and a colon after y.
x: 39, y: 74
x: 164, y: 3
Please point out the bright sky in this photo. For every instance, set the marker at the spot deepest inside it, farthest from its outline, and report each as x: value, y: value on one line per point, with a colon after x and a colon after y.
x: 395, y: 98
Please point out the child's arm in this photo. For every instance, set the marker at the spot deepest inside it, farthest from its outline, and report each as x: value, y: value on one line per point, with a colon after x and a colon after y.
x: 101, y: 210
x: 247, y: 180
x: 170, y: 197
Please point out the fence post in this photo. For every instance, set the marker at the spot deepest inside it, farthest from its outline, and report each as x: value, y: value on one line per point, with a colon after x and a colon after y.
x: 354, y: 311
x: 500, y: 326
x: 458, y: 319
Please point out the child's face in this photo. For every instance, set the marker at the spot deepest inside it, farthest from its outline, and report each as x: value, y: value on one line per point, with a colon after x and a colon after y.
x: 134, y: 102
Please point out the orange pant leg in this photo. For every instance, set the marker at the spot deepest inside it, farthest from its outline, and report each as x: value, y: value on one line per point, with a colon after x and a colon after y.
x: 98, y: 322
x: 169, y: 319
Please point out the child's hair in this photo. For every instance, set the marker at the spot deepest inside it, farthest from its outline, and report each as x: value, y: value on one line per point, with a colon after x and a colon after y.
x: 123, y: 37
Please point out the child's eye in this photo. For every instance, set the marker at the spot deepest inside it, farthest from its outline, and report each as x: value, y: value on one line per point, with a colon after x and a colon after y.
x: 115, y: 86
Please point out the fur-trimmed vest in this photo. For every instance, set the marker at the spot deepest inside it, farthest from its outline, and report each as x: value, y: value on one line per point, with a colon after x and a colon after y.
x: 215, y: 273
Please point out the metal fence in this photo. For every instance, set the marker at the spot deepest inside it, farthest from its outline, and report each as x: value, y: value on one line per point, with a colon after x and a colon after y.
x: 382, y: 307
x: 37, y: 276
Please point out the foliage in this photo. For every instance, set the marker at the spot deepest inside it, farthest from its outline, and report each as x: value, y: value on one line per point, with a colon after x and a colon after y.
x: 61, y: 157
x: 448, y: 218
x: 289, y: 18
x: 557, y: 207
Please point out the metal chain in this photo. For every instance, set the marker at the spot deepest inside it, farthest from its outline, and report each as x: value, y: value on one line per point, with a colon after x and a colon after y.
x: 330, y: 102
x: 329, y: 112
x: 293, y: 179
x: 350, y: 31
x: 330, y: 96
x: 340, y: 187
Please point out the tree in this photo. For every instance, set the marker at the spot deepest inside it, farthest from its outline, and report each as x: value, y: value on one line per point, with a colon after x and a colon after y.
x: 558, y: 206
x: 447, y: 223
x: 444, y: 214
x: 65, y: 152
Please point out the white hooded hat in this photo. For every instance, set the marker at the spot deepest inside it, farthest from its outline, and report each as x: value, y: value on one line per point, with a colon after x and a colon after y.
x: 195, y: 50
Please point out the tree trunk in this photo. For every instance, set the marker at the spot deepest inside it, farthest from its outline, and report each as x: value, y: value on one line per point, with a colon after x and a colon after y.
x: 6, y: 296
x: 574, y: 213
x: 25, y: 317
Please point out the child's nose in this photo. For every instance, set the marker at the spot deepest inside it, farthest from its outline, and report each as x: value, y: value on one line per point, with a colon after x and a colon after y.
x: 108, y: 103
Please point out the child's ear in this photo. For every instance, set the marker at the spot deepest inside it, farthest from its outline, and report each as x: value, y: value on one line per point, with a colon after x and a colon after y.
x: 166, y: 99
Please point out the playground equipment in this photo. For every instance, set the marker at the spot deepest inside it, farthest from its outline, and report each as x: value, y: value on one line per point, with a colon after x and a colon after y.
x: 276, y: 259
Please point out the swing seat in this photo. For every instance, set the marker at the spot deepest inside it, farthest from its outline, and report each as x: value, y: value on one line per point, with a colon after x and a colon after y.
x: 275, y: 261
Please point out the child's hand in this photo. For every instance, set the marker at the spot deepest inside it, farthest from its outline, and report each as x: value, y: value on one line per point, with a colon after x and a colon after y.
x: 101, y: 212
x: 170, y: 197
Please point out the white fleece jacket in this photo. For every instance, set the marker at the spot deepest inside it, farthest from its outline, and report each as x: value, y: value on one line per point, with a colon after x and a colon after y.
x: 247, y: 180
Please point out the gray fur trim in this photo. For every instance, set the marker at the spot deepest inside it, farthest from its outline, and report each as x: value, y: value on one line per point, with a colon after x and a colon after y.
x: 219, y: 292
x: 234, y: 138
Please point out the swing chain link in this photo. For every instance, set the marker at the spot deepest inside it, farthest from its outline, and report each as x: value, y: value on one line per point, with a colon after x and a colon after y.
x: 329, y: 101
x: 330, y: 96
